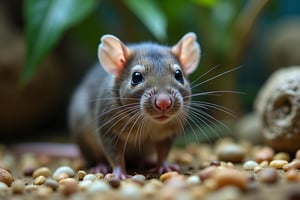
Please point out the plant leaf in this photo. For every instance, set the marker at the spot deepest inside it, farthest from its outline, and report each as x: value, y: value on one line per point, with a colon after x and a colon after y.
x: 45, y: 22
x: 151, y: 16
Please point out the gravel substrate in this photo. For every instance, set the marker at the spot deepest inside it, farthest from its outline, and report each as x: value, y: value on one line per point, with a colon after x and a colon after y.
x: 223, y: 170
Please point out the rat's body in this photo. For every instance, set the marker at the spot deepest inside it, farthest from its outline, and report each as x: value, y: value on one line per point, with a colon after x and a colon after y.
x: 136, y: 105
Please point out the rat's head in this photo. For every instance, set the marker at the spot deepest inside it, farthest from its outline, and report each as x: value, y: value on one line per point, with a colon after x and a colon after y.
x: 150, y: 76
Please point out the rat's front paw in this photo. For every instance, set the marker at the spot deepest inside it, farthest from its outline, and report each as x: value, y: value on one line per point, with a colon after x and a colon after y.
x: 165, y: 167
x: 118, y: 173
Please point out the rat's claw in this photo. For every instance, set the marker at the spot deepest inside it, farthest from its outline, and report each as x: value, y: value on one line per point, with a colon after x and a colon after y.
x: 117, y: 173
x: 165, y: 167
x: 100, y: 168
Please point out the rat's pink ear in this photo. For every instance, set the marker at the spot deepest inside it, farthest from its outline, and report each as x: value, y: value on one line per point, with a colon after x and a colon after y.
x: 187, y: 50
x: 112, y: 54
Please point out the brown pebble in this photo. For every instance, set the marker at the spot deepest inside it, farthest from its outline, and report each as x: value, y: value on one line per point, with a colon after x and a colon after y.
x: 42, y: 171
x: 207, y: 172
x: 292, y: 175
x: 39, y: 180
x: 228, y: 176
x: 268, y: 175
x: 164, y: 177
x: 68, y: 186
x: 5, y: 177
x: 265, y: 153
x: 18, y: 186
x: 231, y: 153
x: 114, y: 182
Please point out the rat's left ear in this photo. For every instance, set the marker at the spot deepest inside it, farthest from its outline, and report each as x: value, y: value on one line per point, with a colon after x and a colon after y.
x: 187, y: 50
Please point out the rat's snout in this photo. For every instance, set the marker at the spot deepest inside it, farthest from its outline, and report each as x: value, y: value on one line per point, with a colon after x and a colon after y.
x: 163, y: 101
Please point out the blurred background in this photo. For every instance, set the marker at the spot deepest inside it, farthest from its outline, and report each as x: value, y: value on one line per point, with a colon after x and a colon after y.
x: 47, y: 46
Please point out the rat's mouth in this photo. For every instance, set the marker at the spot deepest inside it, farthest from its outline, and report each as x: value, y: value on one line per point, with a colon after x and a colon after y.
x: 161, y: 118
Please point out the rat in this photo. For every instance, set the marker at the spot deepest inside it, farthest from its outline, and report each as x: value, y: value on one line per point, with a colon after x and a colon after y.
x: 134, y: 103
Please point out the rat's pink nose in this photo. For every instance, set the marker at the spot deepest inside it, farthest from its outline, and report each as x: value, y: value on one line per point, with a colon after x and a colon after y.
x: 163, y: 101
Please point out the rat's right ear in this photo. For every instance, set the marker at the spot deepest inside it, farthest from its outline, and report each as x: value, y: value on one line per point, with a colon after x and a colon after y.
x: 112, y: 54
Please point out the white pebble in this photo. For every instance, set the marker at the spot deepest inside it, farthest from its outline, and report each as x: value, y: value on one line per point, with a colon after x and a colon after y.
x: 64, y: 169
x: 139, y: 177
x: 250, y: 165
x: 84, y: 185
x: 99, y: 186
x: 193, y: 180
x: 130, y: 191
x: 3, y: 186
x: 91, y: 177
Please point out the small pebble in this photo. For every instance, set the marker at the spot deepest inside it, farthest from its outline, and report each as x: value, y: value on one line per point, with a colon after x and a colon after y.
x: 231, y: 153
x: 61, y: 176
x: 228, y: 176
x: 84, y: 185
x: 51, y: 183
x: 292, y: 175
x: 39, y: 180
x: 278, y: 164
x: 5, y: 177
x: 64, y: 169
x: 18, y: 186
x: 43, y: 193
x: 164, y: 177
x: 81, y: 174
x: 114, y: 182
x: 3, y: 186
x: 282, y: 156
x: 193, y: 180
x: 265, y: 153
x: 42, y: 171
x: 99, y: 186
x: 139, y: 177
x: 184, y: 158
x: 68, y: 186
x: 90, y: 177
x: 130, y: 191
x: 250, y: 165
x: 268, y: 175
x: 264, y: 164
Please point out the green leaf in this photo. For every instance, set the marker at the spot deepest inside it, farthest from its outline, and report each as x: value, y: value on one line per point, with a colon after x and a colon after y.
x: 151, y: 16
x: 45, y: 22
x: 206, y: 3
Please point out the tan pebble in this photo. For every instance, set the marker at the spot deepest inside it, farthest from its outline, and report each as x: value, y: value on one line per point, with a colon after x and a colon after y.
x: 268, y: 175
x: 149, y: 190
x: 43, y: 192
x: 264, y: 164
x: 139, y: 177
x: 282, y: 156
x: 31, y: 188
x: 42, y: 171
x: 99, y: 186
x: 61, y: 176
x: 198, y: 192
x: 51, y: 183
x: 184, y: 159
x: 68, y: 186
x: 5, y: 177
x: 164, y: 177
x: 210, y: 184
x: 130, y: 191
x: 156, y: 183
x: 91, y: 177
x: 81, y: 174
x: 29, y: 164
x: 227, y: 177
x: 295, y: 164
x: 99, y: 176
x: 265, y: 153
x: 257, y: 169
x: 278, y: 164
x: 292, y: 175
x: 206, y: 172
x: 297, y: 155
x: 39, y: 180
x: 18, y: 186
x: 177, y: 182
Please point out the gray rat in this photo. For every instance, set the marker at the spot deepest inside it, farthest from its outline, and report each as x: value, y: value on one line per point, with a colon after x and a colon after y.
x: 134, y: 103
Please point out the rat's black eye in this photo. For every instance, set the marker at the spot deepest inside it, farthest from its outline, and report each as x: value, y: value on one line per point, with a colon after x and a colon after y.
x: 137, y: 78
x: 179, y: 76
